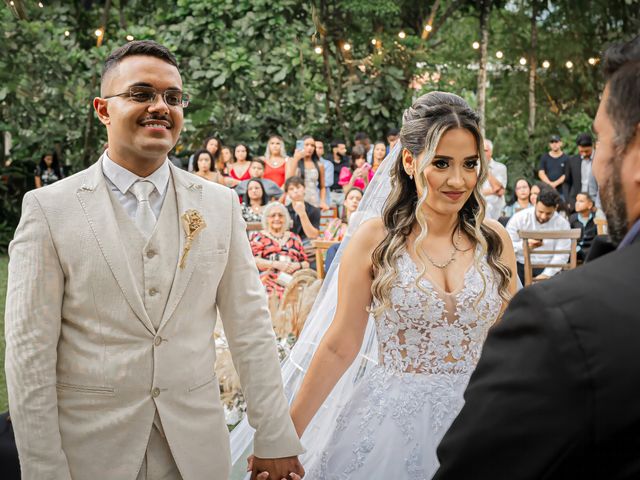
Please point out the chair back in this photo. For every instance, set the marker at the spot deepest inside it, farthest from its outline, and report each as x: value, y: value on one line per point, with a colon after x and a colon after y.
x: 574, y: 235
x: 321, y: 247
x: 296, y: 302
x: 602, y: 226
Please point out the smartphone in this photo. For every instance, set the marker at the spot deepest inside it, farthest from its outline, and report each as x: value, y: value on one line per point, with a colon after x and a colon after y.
x: 299, y: 144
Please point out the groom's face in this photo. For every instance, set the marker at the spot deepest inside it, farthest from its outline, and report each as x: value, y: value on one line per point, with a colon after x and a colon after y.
x: 141, y: 131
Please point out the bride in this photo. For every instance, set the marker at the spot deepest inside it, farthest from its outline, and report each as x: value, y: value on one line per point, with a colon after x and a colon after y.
x: 434, y: 275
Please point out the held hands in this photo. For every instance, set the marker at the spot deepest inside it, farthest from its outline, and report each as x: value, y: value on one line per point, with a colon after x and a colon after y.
x: 288, y: 468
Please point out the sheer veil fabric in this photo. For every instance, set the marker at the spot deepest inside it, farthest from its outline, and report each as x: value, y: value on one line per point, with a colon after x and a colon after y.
x: 295, y: 366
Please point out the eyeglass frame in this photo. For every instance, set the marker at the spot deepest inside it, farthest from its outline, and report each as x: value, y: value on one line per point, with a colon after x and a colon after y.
x: 185, y: 96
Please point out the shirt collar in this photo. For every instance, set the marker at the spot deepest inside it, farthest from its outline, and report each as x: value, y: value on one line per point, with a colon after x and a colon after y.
x: 123, y: 178
x: 631, y: 235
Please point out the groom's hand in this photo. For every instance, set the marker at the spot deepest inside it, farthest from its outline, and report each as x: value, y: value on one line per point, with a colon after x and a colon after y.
x: 277, y: 468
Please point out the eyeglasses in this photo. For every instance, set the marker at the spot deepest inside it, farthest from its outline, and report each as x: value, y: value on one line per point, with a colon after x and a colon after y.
x: 139, y: 94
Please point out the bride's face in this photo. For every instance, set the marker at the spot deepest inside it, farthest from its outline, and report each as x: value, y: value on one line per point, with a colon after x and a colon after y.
x: 452, y: 174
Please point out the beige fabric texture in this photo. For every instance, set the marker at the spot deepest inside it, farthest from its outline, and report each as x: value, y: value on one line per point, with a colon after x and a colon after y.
x: 86, y: 368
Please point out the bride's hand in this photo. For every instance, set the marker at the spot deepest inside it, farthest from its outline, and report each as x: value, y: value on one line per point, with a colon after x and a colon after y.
x: 265, y: 475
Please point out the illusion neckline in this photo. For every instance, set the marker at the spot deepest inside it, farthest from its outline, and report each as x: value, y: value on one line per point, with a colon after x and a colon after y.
x: 428, y: 279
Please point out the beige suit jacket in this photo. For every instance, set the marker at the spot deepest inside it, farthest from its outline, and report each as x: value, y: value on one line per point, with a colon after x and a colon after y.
x: 85, y: 367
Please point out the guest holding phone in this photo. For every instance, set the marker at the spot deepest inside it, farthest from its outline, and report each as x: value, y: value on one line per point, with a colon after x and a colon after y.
x: 359, y: 174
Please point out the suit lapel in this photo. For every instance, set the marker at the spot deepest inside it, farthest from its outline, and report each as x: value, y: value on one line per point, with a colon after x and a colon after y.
x: 188, y: 197
x: 96, y: 203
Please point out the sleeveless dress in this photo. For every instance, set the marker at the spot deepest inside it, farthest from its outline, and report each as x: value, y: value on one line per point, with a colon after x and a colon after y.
x: 429, y: 342
x: 245, y: 176
x: 277, y: 175
x: 311, y: 186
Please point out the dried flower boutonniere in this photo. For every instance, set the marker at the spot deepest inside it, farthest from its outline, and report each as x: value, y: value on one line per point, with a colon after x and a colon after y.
x: 193, y: 223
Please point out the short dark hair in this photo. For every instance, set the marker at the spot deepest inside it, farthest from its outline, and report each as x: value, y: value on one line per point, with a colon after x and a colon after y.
x: 294, y: 181
x: 138, y: 47
x: 393, y: 131
x: 586, y: 194
x: 621, y: 67
x: 584, y: 140
x: 258, y: 160
x: 361, y: 136
x: 549, y: 197
x: 337, y: 141
x: 196, y: 156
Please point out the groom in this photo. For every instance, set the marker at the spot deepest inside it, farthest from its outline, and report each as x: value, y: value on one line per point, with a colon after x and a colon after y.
x: 555, y: 394
x: 116, y: 276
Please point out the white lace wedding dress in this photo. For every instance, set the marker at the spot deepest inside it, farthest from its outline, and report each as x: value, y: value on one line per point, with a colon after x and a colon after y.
x: 429, y: 343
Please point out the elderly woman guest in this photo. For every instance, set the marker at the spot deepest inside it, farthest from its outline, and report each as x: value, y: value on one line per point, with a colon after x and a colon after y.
x: 254, y: 201
x: 276, y: 249
x: 337, y: 228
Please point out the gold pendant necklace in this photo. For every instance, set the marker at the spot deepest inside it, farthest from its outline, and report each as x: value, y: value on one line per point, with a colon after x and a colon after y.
x: 451, y: 258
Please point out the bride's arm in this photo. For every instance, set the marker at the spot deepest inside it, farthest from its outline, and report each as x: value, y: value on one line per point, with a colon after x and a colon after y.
x: 508, y: 257
x: 343, y: 339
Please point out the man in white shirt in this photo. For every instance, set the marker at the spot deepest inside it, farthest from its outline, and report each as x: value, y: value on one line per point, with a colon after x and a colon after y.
x: 543, y: 216
x: 494, y: 187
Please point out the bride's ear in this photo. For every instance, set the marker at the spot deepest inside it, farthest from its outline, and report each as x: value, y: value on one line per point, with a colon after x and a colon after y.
x: 408, y: 162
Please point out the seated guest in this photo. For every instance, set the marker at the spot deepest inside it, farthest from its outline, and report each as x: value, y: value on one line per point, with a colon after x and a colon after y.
x: 535, y: 191
x: 254, y: 201
x: 204, y: 166
x: 305, y: 217
x: 48, y: 170
x: 520, y: 200
x: 584, y: 220
x: 277, y: 250
x: 543, y: 216
x: 359, y: 173
x: 256, y: 170
x: 337, y: 228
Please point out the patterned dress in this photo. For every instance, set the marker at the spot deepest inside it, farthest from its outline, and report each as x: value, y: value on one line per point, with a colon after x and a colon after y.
x: 429, y: 342
x: 290, y: 250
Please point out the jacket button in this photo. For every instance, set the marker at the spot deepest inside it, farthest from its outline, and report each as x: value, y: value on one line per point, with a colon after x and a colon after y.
x: 155, y: 393
x: 157, y: 341
x: 151, y: 253
x: 152, y: 291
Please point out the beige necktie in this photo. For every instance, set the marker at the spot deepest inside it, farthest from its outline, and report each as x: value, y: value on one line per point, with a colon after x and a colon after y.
x: 145, y: 219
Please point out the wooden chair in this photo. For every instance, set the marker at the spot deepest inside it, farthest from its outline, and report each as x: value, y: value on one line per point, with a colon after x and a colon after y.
x: 602, y: 226
x: 526, y: 235
x: 327, y: 216
x: 295, y: 304
x: 321, y: 247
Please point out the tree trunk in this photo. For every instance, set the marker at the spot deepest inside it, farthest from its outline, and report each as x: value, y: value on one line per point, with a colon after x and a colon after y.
x: 533, y: 65
x: 88, y: 148
x: 482, y: 70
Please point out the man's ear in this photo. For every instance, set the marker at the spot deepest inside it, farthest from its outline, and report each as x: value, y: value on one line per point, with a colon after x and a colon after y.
x: 100, y: 106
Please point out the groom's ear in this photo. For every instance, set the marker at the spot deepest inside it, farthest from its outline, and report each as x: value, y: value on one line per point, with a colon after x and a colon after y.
x: 100, y: 106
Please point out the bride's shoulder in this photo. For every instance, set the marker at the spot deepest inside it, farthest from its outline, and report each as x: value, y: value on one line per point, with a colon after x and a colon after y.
x: 498, y: 228
x: 369, y: 235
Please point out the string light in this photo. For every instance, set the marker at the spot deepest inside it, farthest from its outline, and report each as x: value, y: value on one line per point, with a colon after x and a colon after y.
x: 40, y: 5
x: 318, y: 50
x: 374, y: 41
x: 592, y: 61
x: 130, y: 38
x: 569, y: 64
x: 11, y: 3
x: 523, y: 61
x: 346, y: 47
x: 98, y: 32
x: 428, y: 28
x: 402, y: 35
x: 475, y: 45
x: 67, y: 33
x: 499, y: 54
x: 546, y: 64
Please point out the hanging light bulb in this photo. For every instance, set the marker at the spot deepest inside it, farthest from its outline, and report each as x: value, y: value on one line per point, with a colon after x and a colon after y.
x: 318, y: 50
x: 11, y: 3
x: 346, y: 47
x: 546, y: 64
x: 499, y: 54
x: 592, y: 61
x: 40, y: 5
x: 569, y: 64
x: 402, y: 35
x: 130, y: 38
x: 67, y: 33
x: 523, y: 61
x: 475, y: 45
x: 374, y: 41
x: 98, y: 32
x: 428, y: 27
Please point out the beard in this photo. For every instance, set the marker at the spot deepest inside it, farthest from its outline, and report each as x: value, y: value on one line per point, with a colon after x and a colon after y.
x: 613, y: 204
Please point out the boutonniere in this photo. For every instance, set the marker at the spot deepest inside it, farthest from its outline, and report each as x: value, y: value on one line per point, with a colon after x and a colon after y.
x: 193, y: 223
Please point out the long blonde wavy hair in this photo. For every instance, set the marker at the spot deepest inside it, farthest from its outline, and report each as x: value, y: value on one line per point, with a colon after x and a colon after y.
x: 423, y: 125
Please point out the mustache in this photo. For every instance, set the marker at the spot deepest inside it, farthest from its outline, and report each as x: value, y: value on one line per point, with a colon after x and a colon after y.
x: 164, y: 118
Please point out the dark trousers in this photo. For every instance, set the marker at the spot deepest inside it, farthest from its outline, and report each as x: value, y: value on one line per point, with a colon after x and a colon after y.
x: 536, y: 271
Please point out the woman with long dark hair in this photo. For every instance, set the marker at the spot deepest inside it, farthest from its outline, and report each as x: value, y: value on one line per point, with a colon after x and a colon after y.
x: 205, y: 167
x: 239, y: 169
x: 520, y: 199
x: 434, y: 274
x: 254, y: 200
x: 307, y: 165
x: 48, y: 170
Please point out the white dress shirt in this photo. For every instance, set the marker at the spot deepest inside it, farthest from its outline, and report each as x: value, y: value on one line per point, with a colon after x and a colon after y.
x: 585, y: 173
x: 496, y: 203
x: 119, y: 181
x: 526, y: 220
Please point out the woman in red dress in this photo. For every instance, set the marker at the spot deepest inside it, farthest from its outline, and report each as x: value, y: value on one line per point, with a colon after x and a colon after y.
x: 239, y: 170
x: 275, y: 160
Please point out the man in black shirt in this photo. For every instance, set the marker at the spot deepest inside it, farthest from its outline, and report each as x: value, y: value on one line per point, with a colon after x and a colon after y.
x: 552, y: 164
x: 305, y: 217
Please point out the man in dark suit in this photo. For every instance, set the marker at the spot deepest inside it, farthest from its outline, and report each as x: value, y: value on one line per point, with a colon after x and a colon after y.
x: 555, y: 394
x: 578, y: 170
